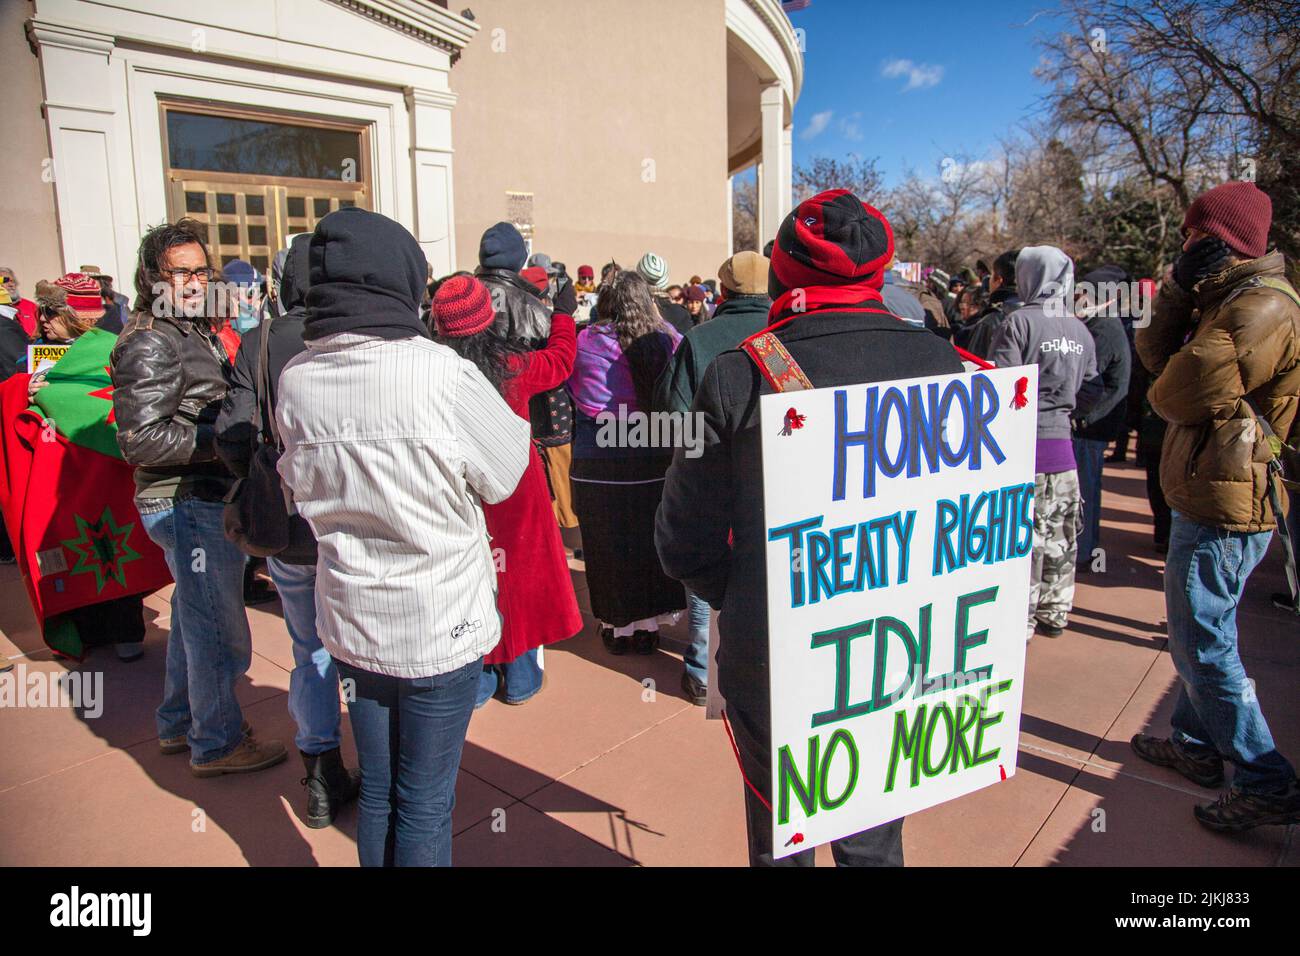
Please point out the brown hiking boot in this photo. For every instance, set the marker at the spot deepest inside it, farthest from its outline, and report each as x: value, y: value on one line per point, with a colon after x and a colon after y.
x: 179, y: 744
x: 1206, y: 771
x: 249, y: 757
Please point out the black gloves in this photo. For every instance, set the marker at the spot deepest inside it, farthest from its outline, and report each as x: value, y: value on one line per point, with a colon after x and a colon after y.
x: 1206, y: 257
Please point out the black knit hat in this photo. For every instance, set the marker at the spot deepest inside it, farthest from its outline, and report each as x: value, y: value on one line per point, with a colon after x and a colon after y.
x: 832, y: 239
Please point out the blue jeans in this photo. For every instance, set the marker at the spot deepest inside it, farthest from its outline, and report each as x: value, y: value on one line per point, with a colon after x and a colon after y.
x: 410, y: 733
x: 523, y: 679
x: 314, y: 683
x: 1089, y: 455
x: 209, y: 647
x: 1216, y: 710
x: 696, y: 657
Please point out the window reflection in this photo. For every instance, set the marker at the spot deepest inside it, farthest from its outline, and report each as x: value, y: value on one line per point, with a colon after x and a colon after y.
x: 260, y: 147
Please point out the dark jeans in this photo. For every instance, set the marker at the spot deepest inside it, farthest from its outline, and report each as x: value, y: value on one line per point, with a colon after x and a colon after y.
x: 410, y: 733
x: 1089, y: 455
x: 879, y: 846
x: 1160, y: 511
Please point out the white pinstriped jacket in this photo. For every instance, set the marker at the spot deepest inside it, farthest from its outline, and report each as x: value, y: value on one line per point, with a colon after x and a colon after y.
x: 389, y: 445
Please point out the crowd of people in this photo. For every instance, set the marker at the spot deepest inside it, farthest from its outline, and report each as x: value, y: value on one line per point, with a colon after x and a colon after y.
x: 404, y: 452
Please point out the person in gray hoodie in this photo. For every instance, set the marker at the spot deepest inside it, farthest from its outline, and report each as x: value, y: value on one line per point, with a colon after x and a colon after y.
x: 1045, y: 332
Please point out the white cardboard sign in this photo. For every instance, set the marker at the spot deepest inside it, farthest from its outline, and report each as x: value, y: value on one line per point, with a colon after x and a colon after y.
x: 900, y: 530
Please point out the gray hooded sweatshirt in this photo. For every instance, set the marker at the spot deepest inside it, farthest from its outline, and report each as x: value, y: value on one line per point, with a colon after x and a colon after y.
x: 1045, y: 332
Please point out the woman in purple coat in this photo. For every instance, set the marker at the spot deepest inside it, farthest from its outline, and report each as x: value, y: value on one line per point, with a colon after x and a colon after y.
x: 619, y: 462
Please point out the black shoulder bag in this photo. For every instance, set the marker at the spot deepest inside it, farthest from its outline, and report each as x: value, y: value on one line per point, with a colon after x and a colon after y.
x: 260, y: 518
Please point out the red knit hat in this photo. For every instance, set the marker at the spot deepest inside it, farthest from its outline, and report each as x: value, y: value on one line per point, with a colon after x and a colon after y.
x: 537, y: 276
x: 586, y: 272
x: 84, y: 295
x: 832, y: 239
x: 462, y: 307
x: 1239, y: 213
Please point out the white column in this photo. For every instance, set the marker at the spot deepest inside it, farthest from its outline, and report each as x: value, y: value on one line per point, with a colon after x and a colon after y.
x: 772, y: 105
x: 90, y: 160
x: 787, y: 170
x: 731, y: 216
x: 435, y: 229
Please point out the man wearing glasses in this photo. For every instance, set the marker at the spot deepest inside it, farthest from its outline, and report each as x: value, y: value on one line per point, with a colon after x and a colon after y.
x: 169, y: 374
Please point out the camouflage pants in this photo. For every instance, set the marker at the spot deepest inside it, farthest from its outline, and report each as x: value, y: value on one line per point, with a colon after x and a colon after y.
x: 1057, y: 515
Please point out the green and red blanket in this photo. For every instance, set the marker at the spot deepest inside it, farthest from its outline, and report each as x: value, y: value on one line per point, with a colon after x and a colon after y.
x: 67, y: 496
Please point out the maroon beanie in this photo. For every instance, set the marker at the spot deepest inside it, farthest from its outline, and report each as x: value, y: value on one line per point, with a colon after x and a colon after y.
x: 462, y: 307
x: 832, y: 239
x: 1239, y: 213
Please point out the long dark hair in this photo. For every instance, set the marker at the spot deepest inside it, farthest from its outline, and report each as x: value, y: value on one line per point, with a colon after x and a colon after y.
x: 626, y: 305
x: 490, y: 351
x: 156, y: 242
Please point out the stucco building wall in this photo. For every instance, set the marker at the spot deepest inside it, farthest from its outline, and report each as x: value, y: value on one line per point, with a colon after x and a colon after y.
x: 612, y: 114
x: 29, y: 238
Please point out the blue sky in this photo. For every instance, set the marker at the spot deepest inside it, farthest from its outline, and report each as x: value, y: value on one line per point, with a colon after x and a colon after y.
x: 913, y: 82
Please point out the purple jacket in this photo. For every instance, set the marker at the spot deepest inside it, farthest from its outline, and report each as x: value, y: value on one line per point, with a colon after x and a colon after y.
x: 602, y: 376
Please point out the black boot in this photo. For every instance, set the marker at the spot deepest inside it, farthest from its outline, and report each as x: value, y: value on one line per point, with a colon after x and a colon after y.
x: 329, y: 785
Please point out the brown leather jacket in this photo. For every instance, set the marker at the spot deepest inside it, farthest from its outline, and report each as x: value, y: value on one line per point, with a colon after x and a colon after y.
x: 1244, y: 349
x: 169, y: 377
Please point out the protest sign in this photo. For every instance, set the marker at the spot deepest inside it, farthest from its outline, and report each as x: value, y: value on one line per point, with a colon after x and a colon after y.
x: 900, y: 527
x: 41, y: 357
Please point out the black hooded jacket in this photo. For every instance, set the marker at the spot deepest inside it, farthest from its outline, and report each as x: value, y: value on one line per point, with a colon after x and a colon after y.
x: 710, y: 531
x: 239, y: 422
x: 367, y: 275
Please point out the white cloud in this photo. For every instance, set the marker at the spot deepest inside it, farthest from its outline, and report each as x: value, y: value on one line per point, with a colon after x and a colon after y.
x: 850, y: 127
x: 817, y: 125
x: 919, y: 75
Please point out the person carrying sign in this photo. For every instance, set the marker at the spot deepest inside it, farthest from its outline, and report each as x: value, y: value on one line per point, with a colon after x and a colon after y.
x: 827, y: 269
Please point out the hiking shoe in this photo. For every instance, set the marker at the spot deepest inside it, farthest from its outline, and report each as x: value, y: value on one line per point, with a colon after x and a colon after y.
x: 1161, y: 751
x: 615, y: 645
x: 1048, y: 630
x: 249, y: 757
x: 179, y: 744
x: 696, y: 692
x: 645, y: 642
x: 1239, y: 810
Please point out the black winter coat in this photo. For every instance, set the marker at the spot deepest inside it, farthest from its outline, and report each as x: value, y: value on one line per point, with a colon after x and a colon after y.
x: 977, y: 337
x: 239, y: 422
x: 678, y: 316
x: 1105, y: 419
x: 521, y: 313
x: 719, y: 493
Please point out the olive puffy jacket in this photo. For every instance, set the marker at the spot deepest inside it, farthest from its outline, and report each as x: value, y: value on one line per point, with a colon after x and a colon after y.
x: 1244, y: 345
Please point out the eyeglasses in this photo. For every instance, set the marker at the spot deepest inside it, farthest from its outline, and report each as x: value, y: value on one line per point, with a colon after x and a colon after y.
x: 185, y: 275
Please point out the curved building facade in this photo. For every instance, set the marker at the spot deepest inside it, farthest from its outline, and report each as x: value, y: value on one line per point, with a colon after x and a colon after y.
x: 605, y: 128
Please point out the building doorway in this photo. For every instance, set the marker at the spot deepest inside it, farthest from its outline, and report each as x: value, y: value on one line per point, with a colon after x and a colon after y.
x: 255, y: 179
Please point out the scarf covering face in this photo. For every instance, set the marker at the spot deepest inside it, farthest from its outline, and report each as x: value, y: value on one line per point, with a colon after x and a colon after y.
x: 367, y: 275
x: 830, y: 252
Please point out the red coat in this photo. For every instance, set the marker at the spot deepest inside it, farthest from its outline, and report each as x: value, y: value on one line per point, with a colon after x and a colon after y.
x: 534, y: 593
